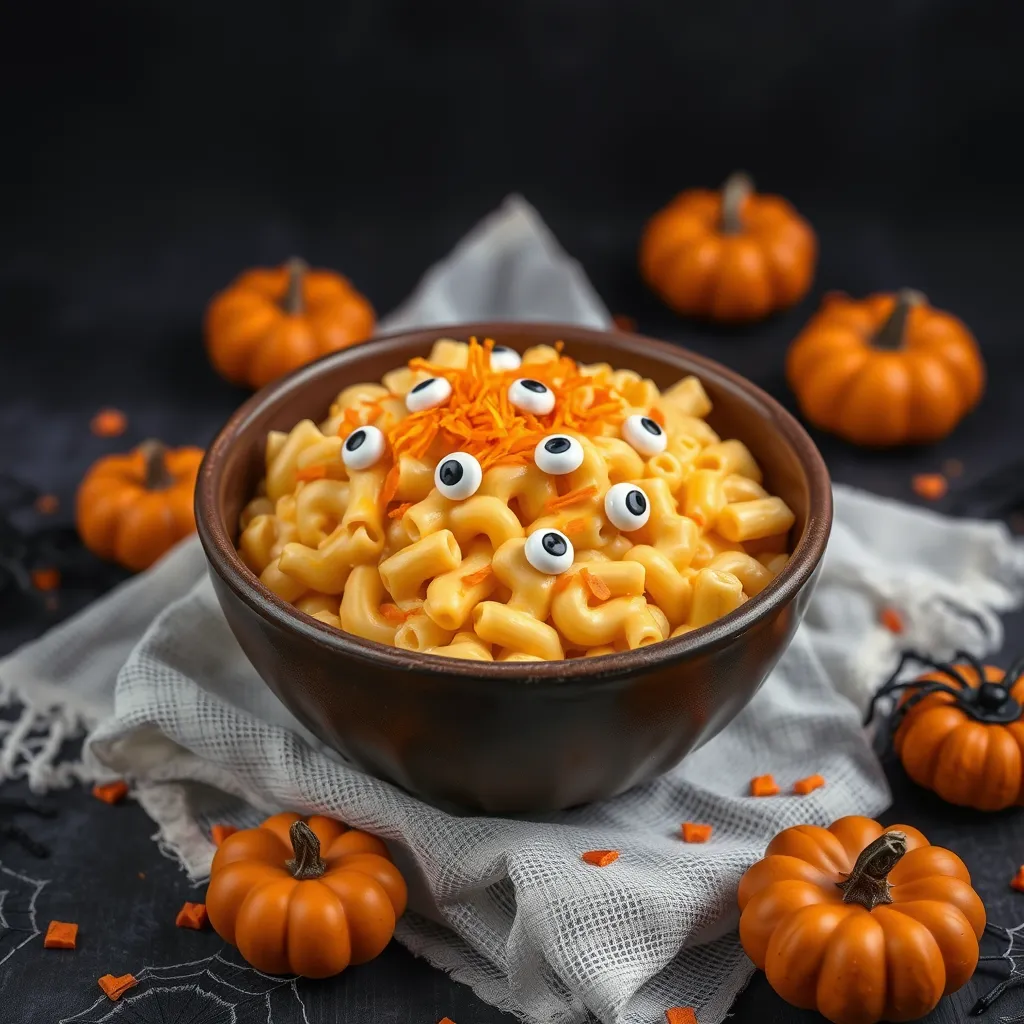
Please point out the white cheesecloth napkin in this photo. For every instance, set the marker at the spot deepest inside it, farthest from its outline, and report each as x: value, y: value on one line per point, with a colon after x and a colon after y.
x: 505, y: 904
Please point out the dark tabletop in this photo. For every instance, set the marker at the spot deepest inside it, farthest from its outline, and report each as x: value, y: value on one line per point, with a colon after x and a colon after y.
x: 158, y: 149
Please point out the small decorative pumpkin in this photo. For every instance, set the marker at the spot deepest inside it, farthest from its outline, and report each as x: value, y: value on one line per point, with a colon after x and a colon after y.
x: 270, y: 322
x: 959, y: 730
x: 860, y: 923
x: 305, y: 896
x: 134, y: 508
x: 885, y: 370
x: 731, y: 255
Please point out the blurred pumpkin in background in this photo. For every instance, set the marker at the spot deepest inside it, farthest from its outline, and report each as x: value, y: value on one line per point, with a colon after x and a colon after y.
x: 270, y: 322
x: 731, y: 255
x: 885, y: 370
x: 131, y: 509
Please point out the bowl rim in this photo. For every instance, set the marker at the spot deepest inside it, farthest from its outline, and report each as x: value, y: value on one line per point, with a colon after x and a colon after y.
x: 224, y: 560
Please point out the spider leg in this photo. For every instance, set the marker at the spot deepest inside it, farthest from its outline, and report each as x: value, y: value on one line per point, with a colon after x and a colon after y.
x: 24, y: 840
x: 1014, y: 672
x: 995, y: 993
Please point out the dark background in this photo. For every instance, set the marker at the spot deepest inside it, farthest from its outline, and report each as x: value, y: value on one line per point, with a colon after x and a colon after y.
x: 154, y: 149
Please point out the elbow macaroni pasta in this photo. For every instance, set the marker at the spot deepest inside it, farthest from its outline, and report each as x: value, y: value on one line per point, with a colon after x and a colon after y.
x: 374, y: 547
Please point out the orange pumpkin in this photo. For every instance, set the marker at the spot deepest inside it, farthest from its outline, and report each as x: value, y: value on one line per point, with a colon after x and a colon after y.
x: 305, y: 896
x: 960, y: 733
x: 133, y: 508
x: 731, y: 255
x: 860, y: 923
x: 270, y: 322
x: 885, y: 370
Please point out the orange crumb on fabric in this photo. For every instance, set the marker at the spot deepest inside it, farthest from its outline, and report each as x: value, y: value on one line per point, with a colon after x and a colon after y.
x: 446, y: 1020
x: 61, y: 935
x: 192, y: 915
x: 681, y: 1015
x: 114, y: 988
x: 624, y: 322
x: 595, y: 585
x: 308, y: 473
x: 601, y: 858
x: 953, y: 467
x: 218, y: 833
x: 45, y: 579
x: 47, y: 504
x: 393, y: 613
x: 142, y: 875
x: 570, y: 498
x: 575, y: 526
x: 892, y: 620
x: 694, y: 833
x: 480, y: 420
x: 399, y: 510
x: 111, y: 792
x: 109, y: 423
x: 471, y: 579
x: 930, y: 486
x: 1017, y: 882
x: 804, y: 786
x: 764, y: 785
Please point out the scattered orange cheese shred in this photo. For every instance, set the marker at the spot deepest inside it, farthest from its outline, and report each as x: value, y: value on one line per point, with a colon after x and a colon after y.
x: 387, y: 492
x: 114, y: 988
x: 399, y: 510
x: 601, y: 858
x: 47, y: 504
x: 681, y: 1015
x: 45, y: 579
x: 307, y: 473
x: 471, y: 579
x: 658, y: 416
x: 111, y: 792
x: 109, y: 423
x: 804, y: 786
x: 393, y: 613
x: 930, y: 486
x: 221, y: 832
x: 570, y: 498
x: 694, y: 833
x: 764, y: 785
x: 595, y: 585
x: 563, y: 580
x: 574, y: 526
x: 891, y: 619
x: 1017, y: 882
x: 60, y: 935
x: 192, y: 915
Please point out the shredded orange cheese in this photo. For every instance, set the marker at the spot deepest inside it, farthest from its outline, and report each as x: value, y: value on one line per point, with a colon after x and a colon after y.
x: 393, y: 613
x: 575, y: 526
x: 570, y: 498
x: 480, y: 420
x: 471, y: 579
x: 596, y: 585
x: 658, y: 416
x: 399, y: 510
x: 307, y: 473
x: 387, y: 492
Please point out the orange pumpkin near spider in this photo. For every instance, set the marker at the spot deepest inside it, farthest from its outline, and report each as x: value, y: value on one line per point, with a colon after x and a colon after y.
x: 304, y: 896
x: 269, y: 322
x: 959, y: 730
x: 732, y: 255
x: 860, y: 923
x: 886, y: 370
x: 133, y: 508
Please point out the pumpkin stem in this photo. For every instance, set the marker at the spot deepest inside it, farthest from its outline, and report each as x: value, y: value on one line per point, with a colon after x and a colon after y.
x: 297, y: 270
x: 868, y: 882
x: 307, y: 862
x: 154, y: 459
x: 735, y: 191
x: 890, y: 335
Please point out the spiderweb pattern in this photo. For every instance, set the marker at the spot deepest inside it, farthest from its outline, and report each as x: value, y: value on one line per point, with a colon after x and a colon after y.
x: 1013, y: 954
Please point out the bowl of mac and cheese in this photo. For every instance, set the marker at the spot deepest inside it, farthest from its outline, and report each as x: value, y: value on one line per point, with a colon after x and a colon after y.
x: 513, y: 567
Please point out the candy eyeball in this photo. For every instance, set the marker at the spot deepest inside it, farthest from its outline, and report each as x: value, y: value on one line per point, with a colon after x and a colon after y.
x: 531, y: 396
x: 505, y: 358
x: 427, y: 394
x: 644, y: 434
x: 549, y: 551
x: 458, y: 476
x: 558, y: 454
x: 626, y: 507
x: 363, y: 448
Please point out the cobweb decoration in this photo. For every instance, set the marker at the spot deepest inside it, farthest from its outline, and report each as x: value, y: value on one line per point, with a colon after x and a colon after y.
x: 214, y: 990
x: 18, y: 925
x: 1013, y: 956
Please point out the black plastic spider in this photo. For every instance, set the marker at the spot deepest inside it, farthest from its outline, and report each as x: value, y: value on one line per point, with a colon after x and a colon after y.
x: 20, y: 836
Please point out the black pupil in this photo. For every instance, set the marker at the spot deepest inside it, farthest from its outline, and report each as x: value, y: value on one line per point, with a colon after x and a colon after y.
x: 535, y: 386
x: 636, y: 503
x: 554, y: 545
x: 451, y: 472
x: 355, y: 440
x: 650, y: 426
x: 557, y: 445
x: 424, y: 384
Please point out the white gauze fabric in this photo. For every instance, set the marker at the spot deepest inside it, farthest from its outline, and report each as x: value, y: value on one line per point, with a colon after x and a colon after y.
x: 505, y: 904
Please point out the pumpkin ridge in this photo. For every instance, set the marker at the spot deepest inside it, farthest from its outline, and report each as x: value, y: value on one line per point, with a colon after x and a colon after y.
x: 915, y: 967
x: 955, y: 768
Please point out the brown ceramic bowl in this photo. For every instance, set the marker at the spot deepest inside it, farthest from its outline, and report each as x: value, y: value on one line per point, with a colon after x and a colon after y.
x: 507, y: 737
